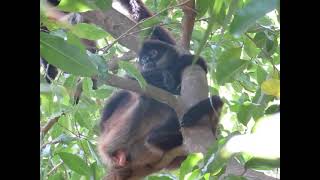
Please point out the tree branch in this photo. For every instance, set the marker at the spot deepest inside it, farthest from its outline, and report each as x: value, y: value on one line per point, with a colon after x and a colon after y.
x: 116, y: 24
x: 113, y: 62
x: 150, y: 91
x: 187, y: 24
x: 49, y: 124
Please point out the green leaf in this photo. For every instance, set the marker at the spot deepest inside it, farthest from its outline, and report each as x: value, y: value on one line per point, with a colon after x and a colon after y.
x: 87, y: 87
x: 132, y: 70
x: 74, y: 40
x: 75, y: 5
x: 189, y: 163
x: 194, y: 175
x: 217, y: 6
x: 88, y: 31
x: 250, y: 48
x: 93, y: 153
x: 244, y: 113
x: 245, y: 81
x: 257, y: 111
x: 260, y: 39
x: 56, y: 176
x: 248, y: 15
x: 201, y: 7
x: 273, y: 109
x: 83, y: 118
x: 75, y: 163
x: 64, y: 56
x: 104, y: 5
x: 261, y: 74
x: 230, y: 65
x: 160, y: 177
x: 219, y: 160
x: 263, y: 164
x: 103, y: 92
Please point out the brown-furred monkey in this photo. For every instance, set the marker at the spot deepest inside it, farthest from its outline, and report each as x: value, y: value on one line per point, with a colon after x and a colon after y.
x: 136, y: 131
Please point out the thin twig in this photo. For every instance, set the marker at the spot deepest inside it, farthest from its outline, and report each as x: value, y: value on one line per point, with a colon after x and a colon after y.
x: 54, y: 168
x: 49, y: 124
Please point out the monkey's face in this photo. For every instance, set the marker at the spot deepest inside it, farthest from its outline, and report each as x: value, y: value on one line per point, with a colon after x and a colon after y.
x: 148, y: 60
x: 156, y: 55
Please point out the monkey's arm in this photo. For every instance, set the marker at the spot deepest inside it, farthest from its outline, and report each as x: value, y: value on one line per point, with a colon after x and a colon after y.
x: 186, y: 60
x: 162, y: 79
x: 113, y: 103
x: 206, y: 106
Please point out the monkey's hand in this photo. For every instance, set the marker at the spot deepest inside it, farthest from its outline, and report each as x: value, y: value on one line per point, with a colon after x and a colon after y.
x: 168, y: 81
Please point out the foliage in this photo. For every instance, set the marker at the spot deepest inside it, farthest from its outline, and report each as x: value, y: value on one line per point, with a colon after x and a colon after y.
x: 238, y: 38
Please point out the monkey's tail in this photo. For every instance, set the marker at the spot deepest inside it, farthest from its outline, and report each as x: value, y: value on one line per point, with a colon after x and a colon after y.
x: 139, y: 12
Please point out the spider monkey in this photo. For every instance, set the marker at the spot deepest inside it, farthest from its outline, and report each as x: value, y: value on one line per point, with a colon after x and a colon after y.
x: 136, y: 131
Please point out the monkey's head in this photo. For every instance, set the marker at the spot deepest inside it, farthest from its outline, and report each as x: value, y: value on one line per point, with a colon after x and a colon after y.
x: 156, y: 55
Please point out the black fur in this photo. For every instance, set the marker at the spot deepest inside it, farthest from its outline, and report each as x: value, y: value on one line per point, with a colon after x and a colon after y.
x: 167, y: 136
x: 168, y: 75
x: 200, y: 109
x: 51, y: 71
x: 139, y: 12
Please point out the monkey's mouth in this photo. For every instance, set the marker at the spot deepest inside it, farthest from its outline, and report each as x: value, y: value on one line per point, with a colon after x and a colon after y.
x: 148, y: 67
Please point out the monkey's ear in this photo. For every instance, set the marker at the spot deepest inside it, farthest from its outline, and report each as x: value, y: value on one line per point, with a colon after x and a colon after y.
x: 119, y: 158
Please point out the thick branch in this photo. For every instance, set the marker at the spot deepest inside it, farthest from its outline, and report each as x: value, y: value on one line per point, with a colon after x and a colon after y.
x: 150, y: 91
x: 194, y: 88
x: 116, y: 24
x: 187, y: 24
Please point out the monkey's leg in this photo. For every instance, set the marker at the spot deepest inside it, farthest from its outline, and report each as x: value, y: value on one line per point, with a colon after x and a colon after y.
x: 167, y: 136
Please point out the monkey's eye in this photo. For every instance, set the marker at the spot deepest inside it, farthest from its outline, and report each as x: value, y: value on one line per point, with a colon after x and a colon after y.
x: 153, y: 53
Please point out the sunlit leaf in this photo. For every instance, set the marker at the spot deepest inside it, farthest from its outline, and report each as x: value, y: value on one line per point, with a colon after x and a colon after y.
x: 201, y: 7
x: 247, y: 16
x: 189, y: 163
x: 75, y: 5
x: 271, y: 87
x: 263, y: 164
x: 230, y: 65
x: 88, y: 31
